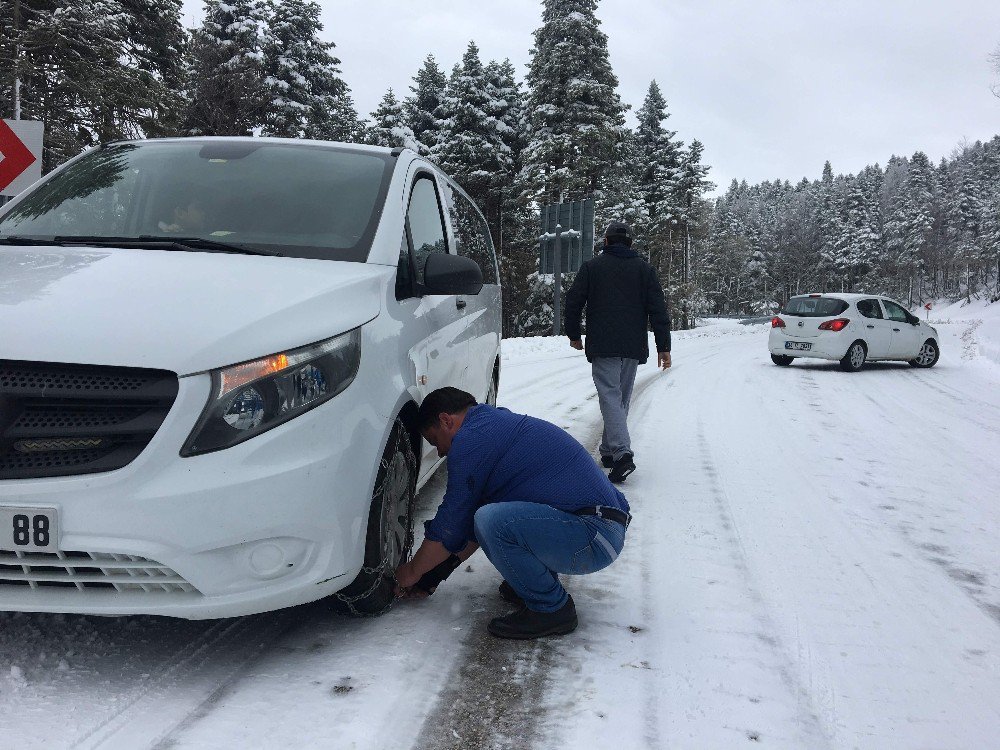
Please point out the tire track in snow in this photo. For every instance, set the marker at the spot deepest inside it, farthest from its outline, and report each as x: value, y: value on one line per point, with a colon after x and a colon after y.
x: 229, y: 644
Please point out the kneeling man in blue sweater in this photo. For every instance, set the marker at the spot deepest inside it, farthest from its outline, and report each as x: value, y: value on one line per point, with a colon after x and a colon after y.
x: 527, y: 493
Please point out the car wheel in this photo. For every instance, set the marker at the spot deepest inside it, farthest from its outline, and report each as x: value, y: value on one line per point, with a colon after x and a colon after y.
x: 928, y: 355
x: 781, y: 359
x: 389, y: 539
x: 854, y: 360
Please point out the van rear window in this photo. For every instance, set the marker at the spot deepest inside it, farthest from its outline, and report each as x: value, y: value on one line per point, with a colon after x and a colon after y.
x: 814, y: 307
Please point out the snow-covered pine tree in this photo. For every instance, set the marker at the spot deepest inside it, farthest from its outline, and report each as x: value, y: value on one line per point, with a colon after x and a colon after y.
x: 690, y: 186
x: 574, y: 112
x: 622, y: 197
x: 471, y: 143
x: 420, y: 107
x: 228, y: 90
x: 389, y: 126
x: 75, y: 73
x: 156, y: 48
x: 659, y: 157
x: 308, y: 96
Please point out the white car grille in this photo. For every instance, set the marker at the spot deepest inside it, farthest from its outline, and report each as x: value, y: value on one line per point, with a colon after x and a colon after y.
x: 89, y: 571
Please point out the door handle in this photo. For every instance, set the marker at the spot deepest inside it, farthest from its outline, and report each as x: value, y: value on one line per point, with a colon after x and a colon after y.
x: 870, y: 325
x: 461, y: 303
x: 896, y: 330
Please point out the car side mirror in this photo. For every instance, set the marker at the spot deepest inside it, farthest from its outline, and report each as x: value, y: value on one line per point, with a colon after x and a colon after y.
x: 452, y: 274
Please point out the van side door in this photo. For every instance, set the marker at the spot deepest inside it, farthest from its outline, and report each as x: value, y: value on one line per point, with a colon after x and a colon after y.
x: 482, y: 311
x: 434, y: 321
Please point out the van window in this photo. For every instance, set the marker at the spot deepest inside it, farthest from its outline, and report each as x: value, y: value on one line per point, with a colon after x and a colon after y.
x: 815, y: 307
x: 472, y: 236
x: 426, y: 228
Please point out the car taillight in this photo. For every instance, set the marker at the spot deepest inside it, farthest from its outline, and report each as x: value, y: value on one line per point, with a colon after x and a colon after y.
x: 777, y: 323
x: 834, y: 325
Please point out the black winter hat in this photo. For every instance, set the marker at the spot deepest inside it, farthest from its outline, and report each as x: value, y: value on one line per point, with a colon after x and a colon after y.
x: 618, y: 229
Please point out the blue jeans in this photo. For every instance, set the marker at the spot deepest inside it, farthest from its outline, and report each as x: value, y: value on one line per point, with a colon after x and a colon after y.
x: 529, y: 543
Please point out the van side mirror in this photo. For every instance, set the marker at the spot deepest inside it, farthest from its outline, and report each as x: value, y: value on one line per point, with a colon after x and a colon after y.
x: 452, y: 274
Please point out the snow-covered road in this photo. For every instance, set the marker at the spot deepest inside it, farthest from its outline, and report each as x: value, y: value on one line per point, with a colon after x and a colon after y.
x: 814, y: 563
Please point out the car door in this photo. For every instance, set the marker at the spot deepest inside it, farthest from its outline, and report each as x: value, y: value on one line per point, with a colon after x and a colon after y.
x: 877, y: 330
x: 438, y: 350
x: 905, y: 337
x: 481, y: 311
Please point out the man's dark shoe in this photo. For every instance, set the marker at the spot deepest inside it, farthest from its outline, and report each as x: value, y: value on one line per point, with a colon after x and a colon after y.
x: 525, y: 624
x: 510, y: 596
x: 622, y: 468
x: 607, y: 461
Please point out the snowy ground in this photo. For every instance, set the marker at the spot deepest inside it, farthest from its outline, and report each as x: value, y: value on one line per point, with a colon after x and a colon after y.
x: 815, y: 563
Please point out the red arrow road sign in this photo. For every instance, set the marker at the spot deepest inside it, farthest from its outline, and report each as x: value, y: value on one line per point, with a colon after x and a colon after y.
x: 16, y: 156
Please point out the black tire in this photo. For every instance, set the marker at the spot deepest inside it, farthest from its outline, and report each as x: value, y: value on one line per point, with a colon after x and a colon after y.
x: 929, y: 355
x: 855, y: 358
x: 389, y: 539
x: 782, y: 360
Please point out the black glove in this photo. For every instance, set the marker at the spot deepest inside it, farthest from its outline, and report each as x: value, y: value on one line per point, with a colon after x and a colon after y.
x: 430, y: 580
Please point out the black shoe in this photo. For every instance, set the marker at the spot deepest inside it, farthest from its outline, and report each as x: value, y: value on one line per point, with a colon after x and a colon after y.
x: 510, y: 596
x: 525, y: 624
x: 607, y: 461
x: 622, y: 468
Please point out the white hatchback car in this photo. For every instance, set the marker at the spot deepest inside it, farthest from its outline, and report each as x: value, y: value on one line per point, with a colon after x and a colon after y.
x: 212, y: 354
x: 851, y: 329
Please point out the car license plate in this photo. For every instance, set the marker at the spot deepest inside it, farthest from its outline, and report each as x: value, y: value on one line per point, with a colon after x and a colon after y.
x: 798, y: 345
x: 29, y: 529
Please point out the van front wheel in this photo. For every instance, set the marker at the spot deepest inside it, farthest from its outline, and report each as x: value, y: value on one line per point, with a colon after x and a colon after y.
x: 389, y: 539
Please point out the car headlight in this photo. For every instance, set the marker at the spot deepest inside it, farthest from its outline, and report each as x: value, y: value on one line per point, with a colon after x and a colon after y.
x: 253, y: 397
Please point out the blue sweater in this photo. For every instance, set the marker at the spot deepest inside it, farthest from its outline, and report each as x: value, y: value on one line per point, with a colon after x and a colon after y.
x: 498, y: 456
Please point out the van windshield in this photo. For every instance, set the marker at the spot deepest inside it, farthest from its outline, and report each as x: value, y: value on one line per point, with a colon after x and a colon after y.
x: 297, y: 200
x: 815, y: 307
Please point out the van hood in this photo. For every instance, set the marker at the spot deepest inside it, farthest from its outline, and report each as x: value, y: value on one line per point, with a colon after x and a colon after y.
x: 180, y: 311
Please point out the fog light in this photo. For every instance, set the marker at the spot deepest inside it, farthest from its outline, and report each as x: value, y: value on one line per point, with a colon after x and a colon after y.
x: 267, y: 559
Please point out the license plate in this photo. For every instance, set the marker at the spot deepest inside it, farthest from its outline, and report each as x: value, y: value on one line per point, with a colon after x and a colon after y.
x: 29, y: 529
x: 798, y: 346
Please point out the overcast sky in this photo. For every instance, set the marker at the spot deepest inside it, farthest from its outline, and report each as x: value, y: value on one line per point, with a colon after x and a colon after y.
x: 773, y: 88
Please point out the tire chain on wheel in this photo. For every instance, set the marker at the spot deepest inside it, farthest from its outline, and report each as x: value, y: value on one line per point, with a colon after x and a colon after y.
x: 378, y: 571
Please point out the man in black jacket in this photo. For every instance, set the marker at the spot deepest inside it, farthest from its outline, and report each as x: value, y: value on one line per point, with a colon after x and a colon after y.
x: 623, y: 298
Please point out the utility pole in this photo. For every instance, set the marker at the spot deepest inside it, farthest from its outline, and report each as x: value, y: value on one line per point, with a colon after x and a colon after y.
x: 17, y: 59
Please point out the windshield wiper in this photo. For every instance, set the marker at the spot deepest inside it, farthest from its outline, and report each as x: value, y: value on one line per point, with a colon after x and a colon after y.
x: 155, y: 241
x: 13, y: 239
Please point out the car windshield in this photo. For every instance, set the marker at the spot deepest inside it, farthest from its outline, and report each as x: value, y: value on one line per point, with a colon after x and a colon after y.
x: 814, y: 307
x: 296, y: 200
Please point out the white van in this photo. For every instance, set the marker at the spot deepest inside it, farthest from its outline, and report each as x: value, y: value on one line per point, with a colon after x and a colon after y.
x: 211, y: 355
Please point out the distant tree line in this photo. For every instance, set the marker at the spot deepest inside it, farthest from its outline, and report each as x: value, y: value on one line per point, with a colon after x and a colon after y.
x: 100, y: 70
x: 913, y: 230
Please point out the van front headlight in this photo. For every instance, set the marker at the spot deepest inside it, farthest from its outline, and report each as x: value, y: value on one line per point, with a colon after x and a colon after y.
x: 253, y: 397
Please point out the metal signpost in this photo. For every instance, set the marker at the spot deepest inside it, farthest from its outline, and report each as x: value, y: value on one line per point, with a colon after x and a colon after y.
x: 566, y: 241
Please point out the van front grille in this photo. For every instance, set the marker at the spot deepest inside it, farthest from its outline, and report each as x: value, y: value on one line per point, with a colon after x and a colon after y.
x: 63, y: 419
